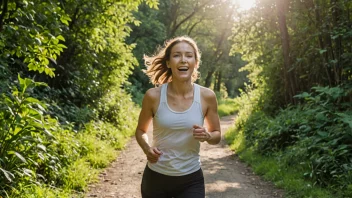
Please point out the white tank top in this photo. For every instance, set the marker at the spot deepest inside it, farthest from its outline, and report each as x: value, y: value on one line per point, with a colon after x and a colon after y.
x: 172, y: 134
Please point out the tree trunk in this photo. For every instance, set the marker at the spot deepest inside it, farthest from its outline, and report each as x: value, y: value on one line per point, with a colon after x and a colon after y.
x: 209, y: 78
x: 210, y: 73
x: 336, y: 12
x: 218, y: 82
x: 289, y: 80
x: 318, y: 21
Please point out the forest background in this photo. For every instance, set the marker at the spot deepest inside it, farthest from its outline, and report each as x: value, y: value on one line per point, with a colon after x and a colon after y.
x: 71, y: 82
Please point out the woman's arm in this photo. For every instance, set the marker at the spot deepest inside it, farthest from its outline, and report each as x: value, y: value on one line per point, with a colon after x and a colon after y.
x: 145, y: 117
x: 211, y: 133
x: 212, y: 118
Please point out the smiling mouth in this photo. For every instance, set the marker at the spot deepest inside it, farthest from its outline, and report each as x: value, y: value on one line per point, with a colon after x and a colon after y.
x: 183, y: 69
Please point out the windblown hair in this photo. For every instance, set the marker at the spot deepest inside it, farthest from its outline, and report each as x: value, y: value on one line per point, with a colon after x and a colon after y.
x: 157, y: 69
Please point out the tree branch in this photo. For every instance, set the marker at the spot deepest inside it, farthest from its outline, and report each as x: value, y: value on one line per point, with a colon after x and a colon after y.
x: 177, y: 25
x: 193, y: 26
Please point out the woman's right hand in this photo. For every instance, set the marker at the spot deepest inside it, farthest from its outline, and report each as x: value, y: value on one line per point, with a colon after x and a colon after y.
x: 153, y: 154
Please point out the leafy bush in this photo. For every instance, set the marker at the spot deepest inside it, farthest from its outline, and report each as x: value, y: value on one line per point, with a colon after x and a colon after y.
x: 330, y: 132
x: 35, y: 149
x: 315, y: 135
x: 25, y: 138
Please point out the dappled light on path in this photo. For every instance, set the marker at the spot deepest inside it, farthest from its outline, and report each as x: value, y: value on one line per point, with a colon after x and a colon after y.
x: 226, y: 176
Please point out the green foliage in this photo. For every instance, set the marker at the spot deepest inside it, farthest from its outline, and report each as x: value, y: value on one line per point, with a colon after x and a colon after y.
x: 35, y: 191
x: 328, y: 126
x: 26, y: 138
x: 79, y: 175
x: 147, y: 35
x: 314, y: 137
x: 321, y: 58
x: 83, y: 42
x: 97, y: 58
x: 31, y: 35
x: 312, y: 131
x: 227, y: 107
x: 250, y: 101
x: 78, y: 49
x: 117, y: 108
x: 35, y: 149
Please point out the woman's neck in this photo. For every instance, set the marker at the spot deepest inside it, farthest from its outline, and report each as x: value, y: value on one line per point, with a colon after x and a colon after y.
x: 181, y: 88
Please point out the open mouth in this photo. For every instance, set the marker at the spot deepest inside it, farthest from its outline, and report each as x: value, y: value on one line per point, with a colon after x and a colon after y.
x: 183, y: 69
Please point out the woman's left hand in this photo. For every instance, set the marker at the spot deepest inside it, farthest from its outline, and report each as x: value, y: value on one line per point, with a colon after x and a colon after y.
x: 200, y: 133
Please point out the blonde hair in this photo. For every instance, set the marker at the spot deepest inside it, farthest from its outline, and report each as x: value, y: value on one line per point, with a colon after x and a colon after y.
x: 157, y: 69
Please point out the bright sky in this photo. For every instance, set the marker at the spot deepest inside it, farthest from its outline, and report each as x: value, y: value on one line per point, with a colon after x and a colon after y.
x: 246, y: 4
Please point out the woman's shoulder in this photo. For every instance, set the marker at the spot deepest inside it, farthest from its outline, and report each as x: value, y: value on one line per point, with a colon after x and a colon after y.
x: 153, y: 93
x: 206, y: 92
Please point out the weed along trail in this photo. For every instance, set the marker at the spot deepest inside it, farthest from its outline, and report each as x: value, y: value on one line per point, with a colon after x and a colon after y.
x: 225, y: 176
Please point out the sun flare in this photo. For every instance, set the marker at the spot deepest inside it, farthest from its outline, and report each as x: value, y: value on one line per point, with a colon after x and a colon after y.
x: 246, y: 4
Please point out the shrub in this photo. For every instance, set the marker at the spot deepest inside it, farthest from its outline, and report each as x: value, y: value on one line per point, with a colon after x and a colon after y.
x: 26, y: 138
x: 315, y: 135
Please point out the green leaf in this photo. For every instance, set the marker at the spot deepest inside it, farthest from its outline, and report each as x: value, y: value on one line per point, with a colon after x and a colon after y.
x: 28, y: 172
x: 322, y: 133
x: 346, y: 118
x: 322, y: 51
x: 20, y: 157
x: 303, y: 95
x: 52, y: 60
x: 60, y: 38
x: 46, y: 131
x: 8, y: 174
x: 65, y: 19
x: 321, y: 116
x: 41, y: 156
x: 31, y: 100
x: 38, y: 41
x: 42, y: 147
x: 41, y: 108
x: 20, y: 79
x: 49, y: 71
x: 10, y: 110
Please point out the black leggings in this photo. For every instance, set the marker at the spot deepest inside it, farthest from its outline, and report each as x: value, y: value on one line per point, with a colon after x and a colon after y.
x: 156, y: 185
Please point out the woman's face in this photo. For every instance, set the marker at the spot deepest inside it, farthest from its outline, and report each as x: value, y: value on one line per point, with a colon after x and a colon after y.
x: 182, y: 61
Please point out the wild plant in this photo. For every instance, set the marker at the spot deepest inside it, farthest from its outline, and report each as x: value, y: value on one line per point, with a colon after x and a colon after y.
x: 25, y: 138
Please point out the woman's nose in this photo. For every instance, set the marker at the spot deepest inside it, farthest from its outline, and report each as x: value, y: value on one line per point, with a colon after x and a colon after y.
x: 183, y: 60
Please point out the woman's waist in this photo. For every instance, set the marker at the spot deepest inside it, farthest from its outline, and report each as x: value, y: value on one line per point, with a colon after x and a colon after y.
x: 176, y: 166
x: 169, y: 154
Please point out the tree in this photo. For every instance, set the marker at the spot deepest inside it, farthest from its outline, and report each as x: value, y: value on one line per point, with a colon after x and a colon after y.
x: 297, y: 44
x: 146, y: 36
x: 288, y: 71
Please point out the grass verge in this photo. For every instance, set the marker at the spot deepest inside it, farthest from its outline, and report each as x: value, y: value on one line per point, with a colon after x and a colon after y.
x: 270, y: 168
x: 89, y: 152
x: 227, y: 107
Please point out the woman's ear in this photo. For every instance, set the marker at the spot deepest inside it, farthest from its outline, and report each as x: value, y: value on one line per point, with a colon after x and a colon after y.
x: 167, y: 64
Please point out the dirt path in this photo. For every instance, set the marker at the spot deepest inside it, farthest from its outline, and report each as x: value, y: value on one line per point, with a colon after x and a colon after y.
x: 225, y: 176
